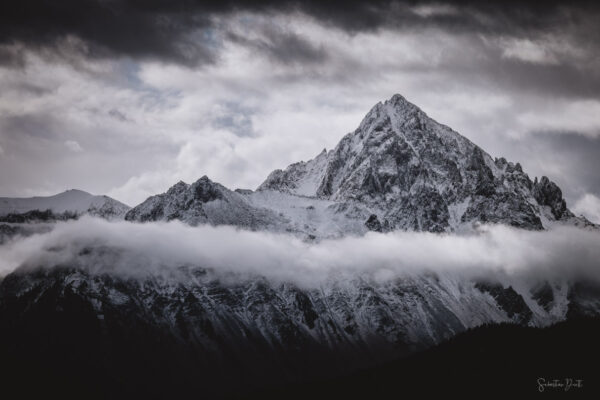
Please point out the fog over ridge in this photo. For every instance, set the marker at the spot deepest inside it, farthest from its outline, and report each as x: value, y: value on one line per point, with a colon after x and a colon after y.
x: 136, y: 250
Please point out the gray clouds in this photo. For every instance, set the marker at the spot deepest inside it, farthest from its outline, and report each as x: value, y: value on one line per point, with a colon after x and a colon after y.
x: 160, y: 248
x: 106, y: 28
x: 186, y: 32
x: 281, y: 45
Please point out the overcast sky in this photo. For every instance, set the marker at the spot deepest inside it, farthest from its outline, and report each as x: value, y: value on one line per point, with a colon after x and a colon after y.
x: 126, y: 98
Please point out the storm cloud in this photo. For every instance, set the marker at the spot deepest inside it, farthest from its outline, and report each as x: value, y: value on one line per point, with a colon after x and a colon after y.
x: 186, y: 31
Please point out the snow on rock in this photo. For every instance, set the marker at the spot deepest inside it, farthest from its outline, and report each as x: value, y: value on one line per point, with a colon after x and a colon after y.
x: 205, y: 201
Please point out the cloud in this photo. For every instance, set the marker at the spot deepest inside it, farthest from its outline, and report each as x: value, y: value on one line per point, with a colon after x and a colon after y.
x: 588, y: 206
x: 73, y: 146
x: 280, y: 44
x: 56, y: 106
x: 432, y: 10
x: 118, y: 115
x: 108, y: 28
x: 137, y: 250
x: 576, y: 116
x: 188, y: 32
x: 527, y: 50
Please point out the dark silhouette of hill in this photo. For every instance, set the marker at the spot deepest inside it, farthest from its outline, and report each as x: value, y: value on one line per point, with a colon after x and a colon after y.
x: 484, y: 362
x: 72, y: 361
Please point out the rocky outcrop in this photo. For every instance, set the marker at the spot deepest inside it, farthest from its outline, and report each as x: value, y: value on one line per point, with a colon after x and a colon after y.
x: 547, y: 193
x: 373, y: 223
x: 205, y: 201
x: 509, y: 300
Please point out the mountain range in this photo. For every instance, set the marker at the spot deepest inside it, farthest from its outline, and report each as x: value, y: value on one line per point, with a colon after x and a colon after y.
x: 399, y: 170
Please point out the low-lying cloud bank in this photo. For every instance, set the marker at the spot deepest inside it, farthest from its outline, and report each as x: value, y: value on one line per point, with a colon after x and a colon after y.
x: 158, y: 248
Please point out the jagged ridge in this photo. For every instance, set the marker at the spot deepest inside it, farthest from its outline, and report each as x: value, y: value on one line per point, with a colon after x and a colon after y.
x: 399, y: 169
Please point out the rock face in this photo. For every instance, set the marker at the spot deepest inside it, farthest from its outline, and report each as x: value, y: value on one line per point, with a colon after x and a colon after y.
x: 548, y: 194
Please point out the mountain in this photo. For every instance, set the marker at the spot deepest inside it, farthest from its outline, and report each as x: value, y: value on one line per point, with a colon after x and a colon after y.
x: 399, y: 169
x: 189, y: 329
x: 71, y: 201
x: 205, y: 201
x: 413, y: 173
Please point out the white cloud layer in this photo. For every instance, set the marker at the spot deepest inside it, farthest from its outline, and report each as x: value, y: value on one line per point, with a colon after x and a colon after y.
x: 73, y: 146
x: 156, y: 248
x: 589, y: 206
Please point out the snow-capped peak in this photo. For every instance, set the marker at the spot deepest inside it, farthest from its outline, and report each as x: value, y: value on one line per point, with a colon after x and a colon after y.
x: 414, y: 173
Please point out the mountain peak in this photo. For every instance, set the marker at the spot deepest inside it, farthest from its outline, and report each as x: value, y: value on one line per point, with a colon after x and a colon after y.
x: 410, y: 172
x: 206, y: 190
x: 396, y: 113
x: 396, y: 101
x: 399, y: 101
x: 206, y: 202
x: 400, y: 106
x: 76, y: 191
x: 178, y: 188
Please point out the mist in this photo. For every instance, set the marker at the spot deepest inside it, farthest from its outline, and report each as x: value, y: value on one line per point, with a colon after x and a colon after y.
x: 142, y: 250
